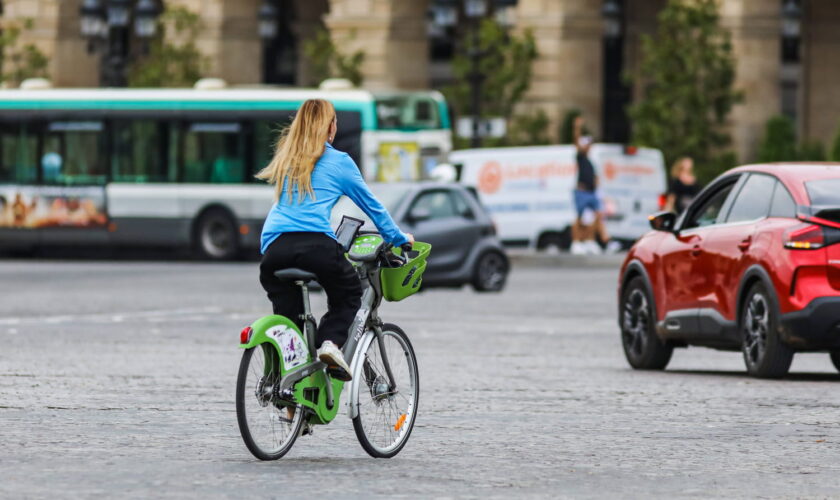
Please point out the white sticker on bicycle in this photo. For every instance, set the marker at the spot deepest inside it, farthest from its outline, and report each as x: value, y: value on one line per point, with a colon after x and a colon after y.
x: 291, y: 345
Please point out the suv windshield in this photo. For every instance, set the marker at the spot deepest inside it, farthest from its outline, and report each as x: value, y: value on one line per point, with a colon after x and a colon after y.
x: 824, y: 192
x: 389, y: 194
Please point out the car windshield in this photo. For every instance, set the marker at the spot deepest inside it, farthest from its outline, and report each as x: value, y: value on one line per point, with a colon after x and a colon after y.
x: 824, y: 192
x: 389, y: 194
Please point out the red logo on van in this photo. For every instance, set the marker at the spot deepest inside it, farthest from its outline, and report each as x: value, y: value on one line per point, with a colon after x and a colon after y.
x: 490, y: 177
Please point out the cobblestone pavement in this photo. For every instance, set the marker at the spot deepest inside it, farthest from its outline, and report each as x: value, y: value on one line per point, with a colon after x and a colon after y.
x: 117, y: 380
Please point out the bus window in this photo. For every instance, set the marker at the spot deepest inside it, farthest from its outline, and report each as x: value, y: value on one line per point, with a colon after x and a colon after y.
x: 266, y: 133
x: 407, y: 112
x: 213, y: 152
x: 18, y: 153
x: 73, y: 153
x: 140, y: 152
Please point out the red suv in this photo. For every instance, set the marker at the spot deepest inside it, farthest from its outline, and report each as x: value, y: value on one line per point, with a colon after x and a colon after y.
x: 753, y: 265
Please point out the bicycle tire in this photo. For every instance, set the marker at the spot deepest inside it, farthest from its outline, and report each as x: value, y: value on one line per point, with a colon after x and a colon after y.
x: 372, y: 377
x: 244, y: 397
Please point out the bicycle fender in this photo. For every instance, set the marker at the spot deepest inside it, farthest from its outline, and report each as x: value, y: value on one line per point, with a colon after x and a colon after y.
x: 283, y: 334
x: 356, y: 371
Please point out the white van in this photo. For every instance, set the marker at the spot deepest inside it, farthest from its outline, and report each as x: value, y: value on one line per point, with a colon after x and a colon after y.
x: 528, y: 190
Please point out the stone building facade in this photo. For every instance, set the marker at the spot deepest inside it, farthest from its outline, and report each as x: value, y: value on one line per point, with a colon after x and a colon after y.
x: 569, y: 73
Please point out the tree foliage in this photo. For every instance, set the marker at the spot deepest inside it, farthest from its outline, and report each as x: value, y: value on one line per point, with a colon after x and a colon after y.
x: 834, y: 154
x: 689, y: 75
x: 504, y: 61
x: 779, y: 141
x: 326, y: 61
x: 173, y: 59
x: 20, y: 61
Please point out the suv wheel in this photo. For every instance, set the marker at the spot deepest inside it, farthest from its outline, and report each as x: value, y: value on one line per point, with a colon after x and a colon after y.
x: 835, y: 358
x: 764, y: 353
x: 642, y: 347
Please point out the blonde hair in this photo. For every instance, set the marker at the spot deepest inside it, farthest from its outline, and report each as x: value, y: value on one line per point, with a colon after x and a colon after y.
x: 298, y: 149
x: 675, y: 168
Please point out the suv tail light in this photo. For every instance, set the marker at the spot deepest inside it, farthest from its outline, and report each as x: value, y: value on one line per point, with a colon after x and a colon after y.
x: 805, y: 237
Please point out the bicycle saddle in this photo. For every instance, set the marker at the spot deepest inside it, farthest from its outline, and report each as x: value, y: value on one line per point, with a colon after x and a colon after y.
x: 294, y: 274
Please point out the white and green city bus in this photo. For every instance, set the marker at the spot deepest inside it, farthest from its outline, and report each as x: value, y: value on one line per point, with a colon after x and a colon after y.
x: 176, y: 166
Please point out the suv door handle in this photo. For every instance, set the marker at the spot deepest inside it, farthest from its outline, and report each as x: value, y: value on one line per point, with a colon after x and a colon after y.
x: 695, y: 251
x: 745, y: 244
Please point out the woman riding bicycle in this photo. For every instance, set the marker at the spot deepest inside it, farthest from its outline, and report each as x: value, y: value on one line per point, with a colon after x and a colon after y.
x: 310, y: 176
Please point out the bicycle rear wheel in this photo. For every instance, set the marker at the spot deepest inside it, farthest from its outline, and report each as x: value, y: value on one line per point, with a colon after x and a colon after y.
x: 387, y: 414
x: 269, y: 424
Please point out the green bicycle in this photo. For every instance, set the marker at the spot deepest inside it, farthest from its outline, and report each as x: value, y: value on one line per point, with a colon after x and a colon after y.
x: 283, y: 389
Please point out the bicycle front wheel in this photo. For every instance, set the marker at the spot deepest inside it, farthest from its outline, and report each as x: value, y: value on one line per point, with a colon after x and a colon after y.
x: 386, y: 414
x: 268, y: 422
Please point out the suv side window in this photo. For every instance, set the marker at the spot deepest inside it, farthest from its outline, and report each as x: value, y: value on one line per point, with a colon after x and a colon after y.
x: 438, y: 204
x: 782, y: 204
x: 708, y: 211
x: 753, y: 200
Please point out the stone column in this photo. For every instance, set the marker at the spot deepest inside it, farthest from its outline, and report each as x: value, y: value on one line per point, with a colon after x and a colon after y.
x: 229, y: 38
x: 820, y: 108
x: 755, y: 27
x: 392, y: 33
x: 56, y: 32
x: 569, y: 70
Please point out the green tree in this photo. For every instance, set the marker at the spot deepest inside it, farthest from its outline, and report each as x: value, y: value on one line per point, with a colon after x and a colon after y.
x: 812, y: 150
x: 779, y: 142
x: 688, y: 86
x: 173, y: 59
x: 835, y: 147
x: 528, y: 129
x: 326, y: 61
x: 505, y: 62
x: 20, y: 61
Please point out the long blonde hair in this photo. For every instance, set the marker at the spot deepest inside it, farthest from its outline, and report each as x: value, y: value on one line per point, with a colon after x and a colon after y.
x: 676, y: 168
x: 298, y: 149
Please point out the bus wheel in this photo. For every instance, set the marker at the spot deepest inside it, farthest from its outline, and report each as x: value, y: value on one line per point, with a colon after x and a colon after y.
x: 215, y: 235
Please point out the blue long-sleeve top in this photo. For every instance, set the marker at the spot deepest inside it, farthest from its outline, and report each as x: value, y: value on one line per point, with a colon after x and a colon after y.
x: 335, y: 174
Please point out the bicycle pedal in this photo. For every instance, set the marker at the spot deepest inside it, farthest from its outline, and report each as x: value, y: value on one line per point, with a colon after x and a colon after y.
x: 338, y: 373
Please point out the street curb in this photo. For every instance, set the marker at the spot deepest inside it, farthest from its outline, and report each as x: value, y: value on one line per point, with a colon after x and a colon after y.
x: 523, y: 259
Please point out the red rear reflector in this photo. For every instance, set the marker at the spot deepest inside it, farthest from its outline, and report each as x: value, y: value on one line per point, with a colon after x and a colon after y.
x: 663, y: 199
x: 245, y: 335
x: 805, y: 237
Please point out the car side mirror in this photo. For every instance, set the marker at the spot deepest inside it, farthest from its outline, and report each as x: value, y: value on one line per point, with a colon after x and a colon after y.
x: 663, y: 221
x: 419, y: 214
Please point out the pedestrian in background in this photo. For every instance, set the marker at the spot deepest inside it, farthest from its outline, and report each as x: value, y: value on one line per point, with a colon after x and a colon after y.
x: 589, y: 221
x: 683, y: 186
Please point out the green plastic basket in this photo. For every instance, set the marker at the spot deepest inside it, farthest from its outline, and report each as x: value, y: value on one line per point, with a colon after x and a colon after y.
x: 400, y: 282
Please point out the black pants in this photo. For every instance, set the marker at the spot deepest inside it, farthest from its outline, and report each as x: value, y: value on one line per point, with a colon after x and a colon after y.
x: 321, y: 255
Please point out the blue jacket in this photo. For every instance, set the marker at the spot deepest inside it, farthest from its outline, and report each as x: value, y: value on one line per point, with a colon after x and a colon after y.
x: 335, y: 174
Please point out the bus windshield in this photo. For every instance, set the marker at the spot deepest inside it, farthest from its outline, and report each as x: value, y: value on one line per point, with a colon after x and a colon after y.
x: 407, y: 112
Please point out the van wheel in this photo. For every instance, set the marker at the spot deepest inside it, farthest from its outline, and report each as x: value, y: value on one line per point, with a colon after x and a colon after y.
x: 642, y: 347
x: 490, y: 272
x: 765, y: 355
x: 215, y: 235
x: 555, y: 240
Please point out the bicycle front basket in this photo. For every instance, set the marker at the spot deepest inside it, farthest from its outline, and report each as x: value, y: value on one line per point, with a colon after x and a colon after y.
x: 400, y: 282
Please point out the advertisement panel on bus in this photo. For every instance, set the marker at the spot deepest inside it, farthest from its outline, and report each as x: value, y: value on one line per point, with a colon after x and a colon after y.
x: 31, y: 207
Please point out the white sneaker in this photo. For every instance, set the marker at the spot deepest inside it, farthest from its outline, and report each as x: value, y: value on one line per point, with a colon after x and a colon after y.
x: 613, y: 247
x: 330, y: 354
x: 592, y: 247
x: 578, y: 248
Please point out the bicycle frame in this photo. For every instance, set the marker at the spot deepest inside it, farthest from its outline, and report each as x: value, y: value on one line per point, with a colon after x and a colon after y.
x: 311, y: 375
